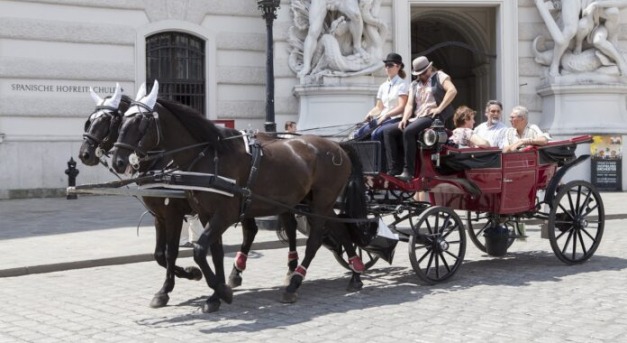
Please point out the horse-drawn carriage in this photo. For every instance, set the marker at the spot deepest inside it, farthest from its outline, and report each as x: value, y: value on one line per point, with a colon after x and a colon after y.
x: 227, y: 177
x: 495, y: 191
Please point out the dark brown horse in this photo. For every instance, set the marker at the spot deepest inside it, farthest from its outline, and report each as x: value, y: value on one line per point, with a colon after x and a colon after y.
x: 307, y: 170
x: 101, y: 131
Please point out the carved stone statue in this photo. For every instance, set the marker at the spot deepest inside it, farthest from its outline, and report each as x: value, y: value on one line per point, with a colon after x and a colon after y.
x: 587, y: 39
x: 336, y: 37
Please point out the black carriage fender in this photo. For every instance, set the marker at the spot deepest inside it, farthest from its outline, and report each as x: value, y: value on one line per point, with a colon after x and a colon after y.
x: 463, y: 184
x: 551, y: 190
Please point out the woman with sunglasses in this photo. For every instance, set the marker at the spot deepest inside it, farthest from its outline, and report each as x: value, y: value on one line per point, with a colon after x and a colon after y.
x: 391, y: 100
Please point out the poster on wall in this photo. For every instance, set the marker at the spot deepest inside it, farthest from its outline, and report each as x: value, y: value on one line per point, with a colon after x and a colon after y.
x: 606, y: 163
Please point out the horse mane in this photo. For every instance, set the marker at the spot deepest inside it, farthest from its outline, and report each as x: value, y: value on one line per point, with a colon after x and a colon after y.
x: 125, y: 103
x: 199, y: 127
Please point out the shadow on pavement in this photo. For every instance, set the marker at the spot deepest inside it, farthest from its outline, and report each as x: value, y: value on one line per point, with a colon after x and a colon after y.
x: 260, y: 309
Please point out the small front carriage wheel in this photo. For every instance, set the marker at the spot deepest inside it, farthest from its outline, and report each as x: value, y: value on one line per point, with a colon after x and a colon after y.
x: 576, y: 222
x: 437, y: 244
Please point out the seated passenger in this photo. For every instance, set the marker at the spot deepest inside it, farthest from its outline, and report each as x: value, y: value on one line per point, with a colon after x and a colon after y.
x: 463, y: 135
x: 493, y: 129
x: 522, y: 134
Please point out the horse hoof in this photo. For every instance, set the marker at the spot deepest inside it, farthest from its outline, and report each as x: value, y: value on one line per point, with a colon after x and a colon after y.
x: 289, y: 298
x: 211, y: 306
x: 159, y: 300
x: 235, y: 279
x: 195, y: 272
x: 355, y: 286
x: 225, y: 293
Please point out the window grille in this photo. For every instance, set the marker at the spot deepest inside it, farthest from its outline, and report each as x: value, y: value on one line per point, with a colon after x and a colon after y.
x: 177, y: 60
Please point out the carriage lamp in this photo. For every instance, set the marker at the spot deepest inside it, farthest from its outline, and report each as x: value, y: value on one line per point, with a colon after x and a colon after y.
x: 434, y: 138
x: 435, y: 135
x: 268, y: 8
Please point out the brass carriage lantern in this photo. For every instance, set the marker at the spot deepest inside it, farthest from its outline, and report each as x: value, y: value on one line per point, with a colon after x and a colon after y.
x: 269, y: 7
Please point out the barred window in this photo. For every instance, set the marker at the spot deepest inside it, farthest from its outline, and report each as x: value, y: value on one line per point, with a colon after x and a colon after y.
x: 177, y: 60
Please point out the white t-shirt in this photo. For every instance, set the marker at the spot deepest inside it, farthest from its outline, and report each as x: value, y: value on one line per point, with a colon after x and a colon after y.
x: 389, y: 93
x: 495, y: 135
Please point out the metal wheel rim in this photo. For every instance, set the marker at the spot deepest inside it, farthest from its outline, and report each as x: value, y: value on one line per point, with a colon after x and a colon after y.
x: 437, y: 245
x: 573, y: 230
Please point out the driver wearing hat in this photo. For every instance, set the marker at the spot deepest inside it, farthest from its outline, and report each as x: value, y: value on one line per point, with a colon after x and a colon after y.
x: 430, y: 97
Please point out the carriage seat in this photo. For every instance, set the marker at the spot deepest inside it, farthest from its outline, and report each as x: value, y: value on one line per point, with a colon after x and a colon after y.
x: 454, y: 160
x: 369, y: 153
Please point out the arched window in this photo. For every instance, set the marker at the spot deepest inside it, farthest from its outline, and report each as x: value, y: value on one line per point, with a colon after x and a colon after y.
x: 177, y: 60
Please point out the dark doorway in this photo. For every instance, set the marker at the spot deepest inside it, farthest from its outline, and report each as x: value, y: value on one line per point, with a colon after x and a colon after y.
x: 460, y: 48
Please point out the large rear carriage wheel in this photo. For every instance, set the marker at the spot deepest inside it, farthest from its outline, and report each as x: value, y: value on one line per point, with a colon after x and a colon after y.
x: 437, y: 244
x: 576, y: 222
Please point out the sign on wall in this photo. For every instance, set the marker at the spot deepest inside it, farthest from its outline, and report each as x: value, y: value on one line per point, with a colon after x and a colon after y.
x: 606, y: 162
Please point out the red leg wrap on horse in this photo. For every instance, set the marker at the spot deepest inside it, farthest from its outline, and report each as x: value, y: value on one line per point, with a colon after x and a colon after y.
x: 356, y: 264
x: 240, y: 261
x: 292, y: 255
x: 300, y: 270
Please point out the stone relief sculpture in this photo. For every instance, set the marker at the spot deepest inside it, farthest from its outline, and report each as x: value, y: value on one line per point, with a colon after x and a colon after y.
x: 587, y: 40
x: 336, y: 37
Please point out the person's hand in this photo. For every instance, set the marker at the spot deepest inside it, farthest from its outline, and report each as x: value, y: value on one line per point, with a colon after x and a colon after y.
x: 402, y: 124
x: 434, y: 112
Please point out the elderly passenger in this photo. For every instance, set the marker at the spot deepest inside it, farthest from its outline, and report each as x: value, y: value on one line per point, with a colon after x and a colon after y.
x: 463, y: 134
x: 493, y: 129
x: 522, y: 134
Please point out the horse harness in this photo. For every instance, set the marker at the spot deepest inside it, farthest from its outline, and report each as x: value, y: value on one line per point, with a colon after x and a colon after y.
x: 206, y: 182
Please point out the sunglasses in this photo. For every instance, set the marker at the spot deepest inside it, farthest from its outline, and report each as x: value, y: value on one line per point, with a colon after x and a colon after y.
x: 390, y: 65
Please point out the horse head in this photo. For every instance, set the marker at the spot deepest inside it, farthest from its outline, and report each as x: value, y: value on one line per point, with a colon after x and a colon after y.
x: 139, y: 132
x: 102, y: 125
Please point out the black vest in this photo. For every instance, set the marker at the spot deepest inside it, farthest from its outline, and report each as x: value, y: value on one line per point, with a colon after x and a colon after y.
x: 438, y: 94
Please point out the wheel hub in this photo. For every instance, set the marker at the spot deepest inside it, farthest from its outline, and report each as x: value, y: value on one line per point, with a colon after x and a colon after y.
x: 441, y: 245
x: 581, y: 223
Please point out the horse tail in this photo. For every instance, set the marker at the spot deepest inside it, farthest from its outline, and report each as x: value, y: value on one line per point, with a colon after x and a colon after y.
x: 354, y: 200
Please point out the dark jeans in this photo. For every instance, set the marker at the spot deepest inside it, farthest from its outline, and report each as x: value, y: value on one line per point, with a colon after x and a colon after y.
x: 376, y: 134
x: 395, y: 140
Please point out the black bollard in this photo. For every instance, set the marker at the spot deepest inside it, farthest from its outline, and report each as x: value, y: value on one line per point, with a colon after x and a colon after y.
x: 71, y: 172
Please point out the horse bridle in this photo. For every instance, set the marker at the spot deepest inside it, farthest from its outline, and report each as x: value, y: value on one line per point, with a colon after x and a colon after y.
x: 91, y: 139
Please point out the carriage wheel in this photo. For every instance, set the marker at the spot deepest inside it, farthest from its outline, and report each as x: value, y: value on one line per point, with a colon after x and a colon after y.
x: 437, y: 245
x: 482, y: 222
x: 367, y: 258
x: 576, y: 222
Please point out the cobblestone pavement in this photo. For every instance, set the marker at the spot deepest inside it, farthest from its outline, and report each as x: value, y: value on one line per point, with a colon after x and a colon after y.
x: 527, y: 296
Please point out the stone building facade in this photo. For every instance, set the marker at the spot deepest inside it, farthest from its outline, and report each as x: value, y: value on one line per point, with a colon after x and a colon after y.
x: 52, y: 51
